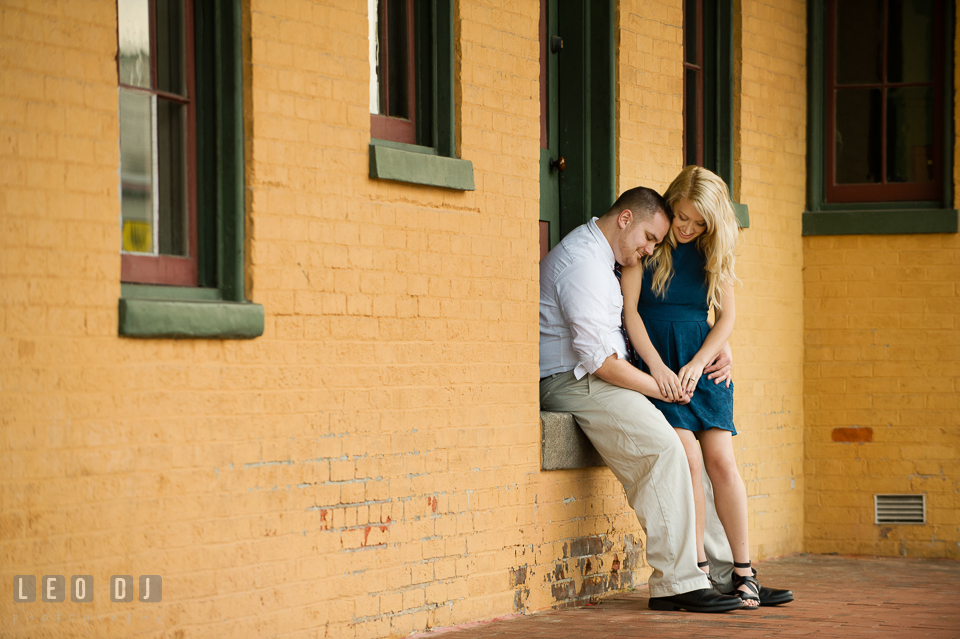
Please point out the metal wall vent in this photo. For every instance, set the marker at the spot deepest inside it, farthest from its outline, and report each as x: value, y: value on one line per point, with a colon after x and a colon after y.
x: 900, y: 509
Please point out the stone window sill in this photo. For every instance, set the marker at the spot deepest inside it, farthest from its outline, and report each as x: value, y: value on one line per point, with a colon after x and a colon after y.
x: 879, y: 221
x: 179, y: 312
x: 419, y: 165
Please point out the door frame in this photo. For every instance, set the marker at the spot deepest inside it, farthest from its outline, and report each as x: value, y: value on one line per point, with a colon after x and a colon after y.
x: 579, y: 86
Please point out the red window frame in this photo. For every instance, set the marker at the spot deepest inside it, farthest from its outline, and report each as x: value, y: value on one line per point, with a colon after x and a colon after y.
x: 883, y: 191
x: 170, y: 269
x: 695, y: 67
x: 385, y: 126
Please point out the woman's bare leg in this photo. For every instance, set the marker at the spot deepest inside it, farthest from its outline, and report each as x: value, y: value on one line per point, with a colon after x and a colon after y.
x: 730, y: 496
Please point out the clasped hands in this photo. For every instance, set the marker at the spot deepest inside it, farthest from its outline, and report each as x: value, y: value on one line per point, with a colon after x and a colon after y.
x: 679, y: 387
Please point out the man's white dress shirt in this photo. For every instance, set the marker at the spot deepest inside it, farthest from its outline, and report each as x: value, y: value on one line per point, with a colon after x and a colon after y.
x: 580, y: 304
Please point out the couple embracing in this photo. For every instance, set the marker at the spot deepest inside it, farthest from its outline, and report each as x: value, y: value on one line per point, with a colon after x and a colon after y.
x: 625, y: 347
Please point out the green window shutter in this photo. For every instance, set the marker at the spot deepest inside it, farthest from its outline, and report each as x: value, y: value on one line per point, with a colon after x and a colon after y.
x: 718, y: 113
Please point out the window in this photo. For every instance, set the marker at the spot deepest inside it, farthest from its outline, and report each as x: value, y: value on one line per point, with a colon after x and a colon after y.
x: 179, y: 68
x: 392, y: 84
x: 693, y: 82
x: 157, y: 142
x: 708, y: 112
x: 880, y: 125
x: 412, y: 114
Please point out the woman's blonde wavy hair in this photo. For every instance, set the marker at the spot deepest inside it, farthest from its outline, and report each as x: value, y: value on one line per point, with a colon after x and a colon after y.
x: 709, y: 195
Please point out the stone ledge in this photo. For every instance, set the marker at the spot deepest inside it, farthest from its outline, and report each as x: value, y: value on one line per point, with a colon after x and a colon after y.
x: 563, y: 445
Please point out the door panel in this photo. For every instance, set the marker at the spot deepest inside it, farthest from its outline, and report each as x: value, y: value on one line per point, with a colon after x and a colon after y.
x: 549, y: 131
x: 577, y: 113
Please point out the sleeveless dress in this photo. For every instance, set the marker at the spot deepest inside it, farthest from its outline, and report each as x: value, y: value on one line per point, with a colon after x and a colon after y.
x: 677, y: 326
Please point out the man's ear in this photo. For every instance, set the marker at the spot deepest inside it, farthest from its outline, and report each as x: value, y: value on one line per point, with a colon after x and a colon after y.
x: 625, y: 218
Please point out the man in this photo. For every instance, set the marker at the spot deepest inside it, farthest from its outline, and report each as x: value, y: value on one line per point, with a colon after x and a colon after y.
x: 583, y: 371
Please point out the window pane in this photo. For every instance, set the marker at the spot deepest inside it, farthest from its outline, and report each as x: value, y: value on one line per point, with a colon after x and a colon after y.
x: 691, y: 25
x: 397, y: 58
x: 374, y: 40
x: 692, y: 125
x: 171, y: 171
x: 171, y: 52
x: 911, y: 41
x: 910, y: 135
x: 858, y: 136
x: 859, y: 41
x: 136, y: 171
x: 133, y: 23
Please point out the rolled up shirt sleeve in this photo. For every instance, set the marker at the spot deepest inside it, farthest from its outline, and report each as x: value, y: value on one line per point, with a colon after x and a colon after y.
x: 588, y: 301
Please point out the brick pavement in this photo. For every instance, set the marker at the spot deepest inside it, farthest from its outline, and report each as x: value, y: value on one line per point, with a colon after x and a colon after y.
x: 837, y: 596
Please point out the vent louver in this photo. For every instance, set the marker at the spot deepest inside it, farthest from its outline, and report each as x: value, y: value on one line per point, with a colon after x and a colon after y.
x: 900, y: 509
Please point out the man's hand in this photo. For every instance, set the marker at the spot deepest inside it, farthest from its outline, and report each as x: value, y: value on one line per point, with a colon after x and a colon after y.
x: 721, y: 368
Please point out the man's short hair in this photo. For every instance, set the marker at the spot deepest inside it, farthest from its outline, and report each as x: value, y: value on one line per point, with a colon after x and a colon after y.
x: 644, y: 202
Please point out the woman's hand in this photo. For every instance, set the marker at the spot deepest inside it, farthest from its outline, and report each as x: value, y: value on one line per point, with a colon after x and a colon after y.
x: 668, y: 382
x: 721, y: 368
x: 689, y: 375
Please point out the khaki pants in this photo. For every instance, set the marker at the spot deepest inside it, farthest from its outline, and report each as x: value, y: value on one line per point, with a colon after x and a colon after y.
x: 645, y: 454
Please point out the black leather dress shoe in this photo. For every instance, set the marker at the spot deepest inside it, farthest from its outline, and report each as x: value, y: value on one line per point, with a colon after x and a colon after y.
x: 703, y: 600
x: 774, y: 597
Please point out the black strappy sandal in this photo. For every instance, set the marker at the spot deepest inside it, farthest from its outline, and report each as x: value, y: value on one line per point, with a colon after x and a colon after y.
x: 752, y: 593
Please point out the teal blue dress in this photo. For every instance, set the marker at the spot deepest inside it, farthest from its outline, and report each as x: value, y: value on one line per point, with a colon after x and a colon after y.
x: 677, y: 326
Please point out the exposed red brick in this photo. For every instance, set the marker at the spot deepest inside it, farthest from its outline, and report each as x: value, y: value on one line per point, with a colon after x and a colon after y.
x: 859, y: 435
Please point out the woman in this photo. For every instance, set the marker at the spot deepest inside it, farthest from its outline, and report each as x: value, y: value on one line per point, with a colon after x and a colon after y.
x: 666, y: 301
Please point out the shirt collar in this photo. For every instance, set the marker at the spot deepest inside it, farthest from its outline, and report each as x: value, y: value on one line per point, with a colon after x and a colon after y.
x: 605, y: 247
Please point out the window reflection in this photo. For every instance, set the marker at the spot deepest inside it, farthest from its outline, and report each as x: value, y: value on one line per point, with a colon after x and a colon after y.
x: 171, y: 72
x: 171, y: 170
x: 374, y: 35
x: 911, y: 34
x: 910, y: 134
x: 859, y: 136
x: 136, y: 171
x: 133, y: 18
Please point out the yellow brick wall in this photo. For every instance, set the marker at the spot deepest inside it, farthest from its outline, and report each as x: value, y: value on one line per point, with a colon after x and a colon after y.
x: 882, y: 351
x: 370, y: 465
x: 768, y: 339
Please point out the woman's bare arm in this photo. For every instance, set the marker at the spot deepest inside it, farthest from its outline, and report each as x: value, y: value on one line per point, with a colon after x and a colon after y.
x: 631, y: 278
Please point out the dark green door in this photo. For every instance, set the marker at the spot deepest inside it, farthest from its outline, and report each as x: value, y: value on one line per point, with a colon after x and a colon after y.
x: 577, y: 138
x: 549, y: 127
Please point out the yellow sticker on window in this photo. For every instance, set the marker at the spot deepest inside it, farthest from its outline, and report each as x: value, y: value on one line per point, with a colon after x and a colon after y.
x: 137, y: 236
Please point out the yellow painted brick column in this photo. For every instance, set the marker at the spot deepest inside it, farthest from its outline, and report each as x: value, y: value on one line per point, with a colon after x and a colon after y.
x: 768, y: 340
x: 882, y: 355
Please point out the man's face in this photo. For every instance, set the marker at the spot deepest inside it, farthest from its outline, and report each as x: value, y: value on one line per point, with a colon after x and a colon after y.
x: 638, y: 238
